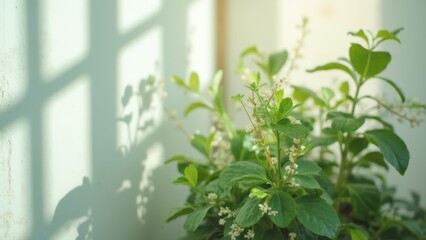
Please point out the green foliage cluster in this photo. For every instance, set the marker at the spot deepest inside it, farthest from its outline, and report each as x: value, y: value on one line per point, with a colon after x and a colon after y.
x: 280, y: 179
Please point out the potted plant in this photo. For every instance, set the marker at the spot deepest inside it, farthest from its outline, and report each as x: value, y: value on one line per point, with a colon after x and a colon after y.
x: 305, y: 167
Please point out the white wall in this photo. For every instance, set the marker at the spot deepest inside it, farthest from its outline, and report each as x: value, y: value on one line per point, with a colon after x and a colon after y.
x: 271, y: 25
x: 68, y: 166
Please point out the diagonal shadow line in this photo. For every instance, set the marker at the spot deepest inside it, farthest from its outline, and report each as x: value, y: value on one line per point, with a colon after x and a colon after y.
x: 135, y: 32
x: 40, y: 92
x: 46, y: 90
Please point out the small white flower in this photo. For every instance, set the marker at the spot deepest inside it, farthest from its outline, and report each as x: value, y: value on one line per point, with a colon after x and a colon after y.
x: 274, y: 160
x: 293, y: 183
x: 272, y: 213
x: 235, y: 231
x: 297, y: 141
x: 293, y: 120
x: 228, y: 213
x: 222, y: 221
x: 264, y: 208
x: 250, y: 234
x: 292, y: 235
x: 287, y: 169
x: 212, y: 196
x: 172, y: 115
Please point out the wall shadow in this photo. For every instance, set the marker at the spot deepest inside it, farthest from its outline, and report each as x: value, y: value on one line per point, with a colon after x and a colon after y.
x: 109, y: 204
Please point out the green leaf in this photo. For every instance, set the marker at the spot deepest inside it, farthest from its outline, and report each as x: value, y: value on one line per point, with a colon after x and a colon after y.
x: 182, y: 181
x: 273, y: 234
x: 179, y: 81
x: 347, y: 124
x: 183, y: 159
x: 324, y: 140
x: 344, y: 88
x: 306, y: 167
x: 360, y: 34
x: 285, y: 205
x: 202, y: 144
x: 240, y: 172
x: 395, y: 87
x: 179, y: 212
x: 413, y: 226
x: 368, y: 63
x: 276, y: 62
x: 317, y: 216
x: 196, y: 105
x: 241, y: 146
x: 302, y: 93
x: 327, y: 94
x: 386, y: 35
x: 365, y: 199
x: 250, y: 213
x: 306, y: 181
x: 216, y: 81
x: 392, y: 147
x: 291, y: 130
x: 385, y: 124
x: 191, y: 174
x: 258, y: 193
x: 279, y: 94
x: 250, y: 50
x: 286, y: 106
x: 333, y: 115
x: 356, y: 145
x: 334, y: 66
x: 373, y: 157
x: 195, y: 219
x: 357, y: 234
x: 194, y: 82
x: 238, y: 98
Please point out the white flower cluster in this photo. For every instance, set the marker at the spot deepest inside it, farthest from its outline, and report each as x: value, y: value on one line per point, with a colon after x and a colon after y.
x: 292, y: 153
x: 221, y: 153
x: 265, y: 93
x: 212, y: 198
x: 292, y: 236
x: 250, y: 234
x: 280, y: 84
x: 265, y: 209
x: 225, y: 213
x: 391, y: 216
x: 293, y: 120
x: 235, y: 231
x: 289, y: 170
x: 293, y: 183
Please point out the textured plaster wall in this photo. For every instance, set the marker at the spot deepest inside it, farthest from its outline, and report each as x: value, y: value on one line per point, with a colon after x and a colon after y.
x: 83, y: 138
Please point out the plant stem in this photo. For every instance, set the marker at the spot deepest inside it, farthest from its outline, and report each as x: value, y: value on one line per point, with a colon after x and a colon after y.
x: 355, y: 100
x: 343, y: 173
x: 279, y: 164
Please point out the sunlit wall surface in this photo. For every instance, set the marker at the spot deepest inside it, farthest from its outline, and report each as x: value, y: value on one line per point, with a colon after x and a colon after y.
x: 83, y: 134
x: 272, y: 25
